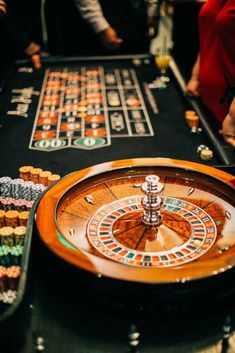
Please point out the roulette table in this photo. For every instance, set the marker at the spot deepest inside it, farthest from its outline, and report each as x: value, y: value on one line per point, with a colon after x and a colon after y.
x: 125, y: 119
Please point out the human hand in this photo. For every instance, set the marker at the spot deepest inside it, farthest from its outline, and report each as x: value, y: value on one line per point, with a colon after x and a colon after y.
x: 228, y: 128
x: 193, y: 87
x: 110, y: 39
x: 3, y: 8
x: 32, y: 49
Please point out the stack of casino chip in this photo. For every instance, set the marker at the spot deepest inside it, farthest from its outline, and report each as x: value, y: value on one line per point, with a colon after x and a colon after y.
x: 192, y: 120
x: 34, y: 175
x: 38, y: 175
x: 205, y: 152
x: 25, y: 172
x: 9, y: 279
x: 5, y: 186
x: 9, y: 203
x: 10, y: 236
x: 47, y: 178
x: 206, y: 155
x: 2, y: 218
x: 43, y: 177
x: 36, y: 61
x: 19, y: 236
x: 16, y: 200
x: 23, y: 218
x: 19, y: 189
x: 13, y: 218
x: 10, y: 255
x: 53, y: 178
x: 7, y: 236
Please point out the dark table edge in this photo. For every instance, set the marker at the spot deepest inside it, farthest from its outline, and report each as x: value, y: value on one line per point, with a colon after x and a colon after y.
x: 53, y: 58
x: 201, y: 114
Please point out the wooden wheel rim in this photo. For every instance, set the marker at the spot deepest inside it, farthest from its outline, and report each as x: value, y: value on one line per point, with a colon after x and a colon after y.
x: 48, y: 228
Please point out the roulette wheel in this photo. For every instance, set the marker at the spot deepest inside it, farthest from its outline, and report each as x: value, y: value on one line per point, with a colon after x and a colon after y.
x: 148, y: 227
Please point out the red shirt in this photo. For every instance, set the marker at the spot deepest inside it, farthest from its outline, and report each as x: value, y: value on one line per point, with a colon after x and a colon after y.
x: 217, y: 54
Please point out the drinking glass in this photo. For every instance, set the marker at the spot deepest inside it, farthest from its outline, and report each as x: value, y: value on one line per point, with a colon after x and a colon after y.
x: 162, y: 61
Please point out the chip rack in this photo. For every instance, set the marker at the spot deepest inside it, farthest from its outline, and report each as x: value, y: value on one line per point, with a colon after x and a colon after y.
x: 15, y: 320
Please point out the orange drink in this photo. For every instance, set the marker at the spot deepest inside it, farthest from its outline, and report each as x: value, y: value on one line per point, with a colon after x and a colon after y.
x: 162, y: 61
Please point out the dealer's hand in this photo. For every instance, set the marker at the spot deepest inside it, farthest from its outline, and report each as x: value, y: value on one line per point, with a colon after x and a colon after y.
x: 32, y: 49
x: 110, y: 39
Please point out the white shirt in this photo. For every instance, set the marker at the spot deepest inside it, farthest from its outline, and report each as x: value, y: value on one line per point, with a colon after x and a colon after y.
x: 92, y: 13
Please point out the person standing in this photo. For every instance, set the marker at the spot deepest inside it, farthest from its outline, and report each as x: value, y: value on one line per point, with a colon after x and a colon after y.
x: 20, y: 30
x: 213, y: 74
x: 124, y: 26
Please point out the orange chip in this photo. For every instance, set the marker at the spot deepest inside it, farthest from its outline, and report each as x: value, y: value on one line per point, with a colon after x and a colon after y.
x: 34, y: 175
x: 53, y: 178
x: 192, y: 121
x: 43, y: 177
x: 2, y: 218
x: 190, y: 113
x: 23, y: 218
x: 36, y: 60
x: 24, y: 172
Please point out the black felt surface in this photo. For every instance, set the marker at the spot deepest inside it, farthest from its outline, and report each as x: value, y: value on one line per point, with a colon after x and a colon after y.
x: 172, y: 138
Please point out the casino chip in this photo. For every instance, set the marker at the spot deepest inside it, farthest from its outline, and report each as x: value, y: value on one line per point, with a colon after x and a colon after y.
x: 202, y: 147
x: 146, y: 61
x: 36, y: 60
x: 206, y: 154
x: 136, y: 62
